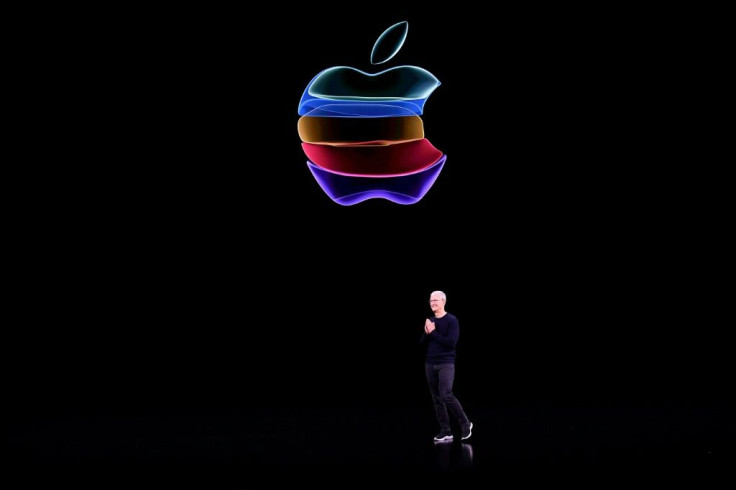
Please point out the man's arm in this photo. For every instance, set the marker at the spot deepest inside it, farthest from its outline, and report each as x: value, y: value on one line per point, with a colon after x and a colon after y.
x: 453, y: 333
x: 428, y: 327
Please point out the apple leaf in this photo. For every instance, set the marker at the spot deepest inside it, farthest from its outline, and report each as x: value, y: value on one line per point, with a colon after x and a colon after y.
x: 389, y: 43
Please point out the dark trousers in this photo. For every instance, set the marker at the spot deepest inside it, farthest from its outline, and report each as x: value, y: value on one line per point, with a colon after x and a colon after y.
x: 440, y: 378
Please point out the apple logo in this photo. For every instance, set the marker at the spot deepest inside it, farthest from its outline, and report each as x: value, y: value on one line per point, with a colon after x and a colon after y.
x: 362, y: 132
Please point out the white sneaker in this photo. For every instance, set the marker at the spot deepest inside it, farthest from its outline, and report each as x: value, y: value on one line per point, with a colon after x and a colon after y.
x: 467, y: 432
x: 443, y: 437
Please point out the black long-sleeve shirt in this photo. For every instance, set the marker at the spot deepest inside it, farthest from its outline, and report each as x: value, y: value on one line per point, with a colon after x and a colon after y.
x: 443, y: 339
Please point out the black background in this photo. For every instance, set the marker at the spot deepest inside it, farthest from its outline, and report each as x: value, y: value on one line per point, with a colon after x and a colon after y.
x: 184, y: 259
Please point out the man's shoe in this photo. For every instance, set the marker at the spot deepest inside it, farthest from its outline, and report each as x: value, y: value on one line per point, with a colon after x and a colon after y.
x: 467, y: 431
x: 443, y: 437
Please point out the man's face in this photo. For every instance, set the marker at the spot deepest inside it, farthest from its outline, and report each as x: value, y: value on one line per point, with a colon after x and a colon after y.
x: 436, y: 302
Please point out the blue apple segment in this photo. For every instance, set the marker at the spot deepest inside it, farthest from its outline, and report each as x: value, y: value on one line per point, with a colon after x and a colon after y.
x: 389, y: 43
x: 349, y: 189
x: 334, y: 108
x: 406, y: 87
x: 399, y: 82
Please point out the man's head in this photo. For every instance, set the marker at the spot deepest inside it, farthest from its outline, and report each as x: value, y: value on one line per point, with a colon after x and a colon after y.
x: 437, y: 301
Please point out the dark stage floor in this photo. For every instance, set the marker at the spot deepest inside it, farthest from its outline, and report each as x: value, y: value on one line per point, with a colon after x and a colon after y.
x: 234, y: 446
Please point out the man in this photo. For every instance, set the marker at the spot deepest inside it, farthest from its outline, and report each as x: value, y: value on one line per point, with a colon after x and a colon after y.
x: 440, y: 336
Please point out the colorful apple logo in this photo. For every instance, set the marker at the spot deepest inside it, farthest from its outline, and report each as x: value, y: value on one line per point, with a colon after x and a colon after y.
x: 362, y: 132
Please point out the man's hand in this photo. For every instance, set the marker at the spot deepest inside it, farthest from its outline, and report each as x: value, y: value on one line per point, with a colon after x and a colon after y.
x: 428, y: 326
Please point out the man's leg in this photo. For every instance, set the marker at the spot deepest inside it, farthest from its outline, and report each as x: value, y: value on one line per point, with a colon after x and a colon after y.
x: 446, y: 380
x: 434, y: 382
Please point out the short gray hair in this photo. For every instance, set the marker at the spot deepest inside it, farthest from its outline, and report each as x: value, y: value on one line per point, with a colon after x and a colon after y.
x: 442, y: 295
